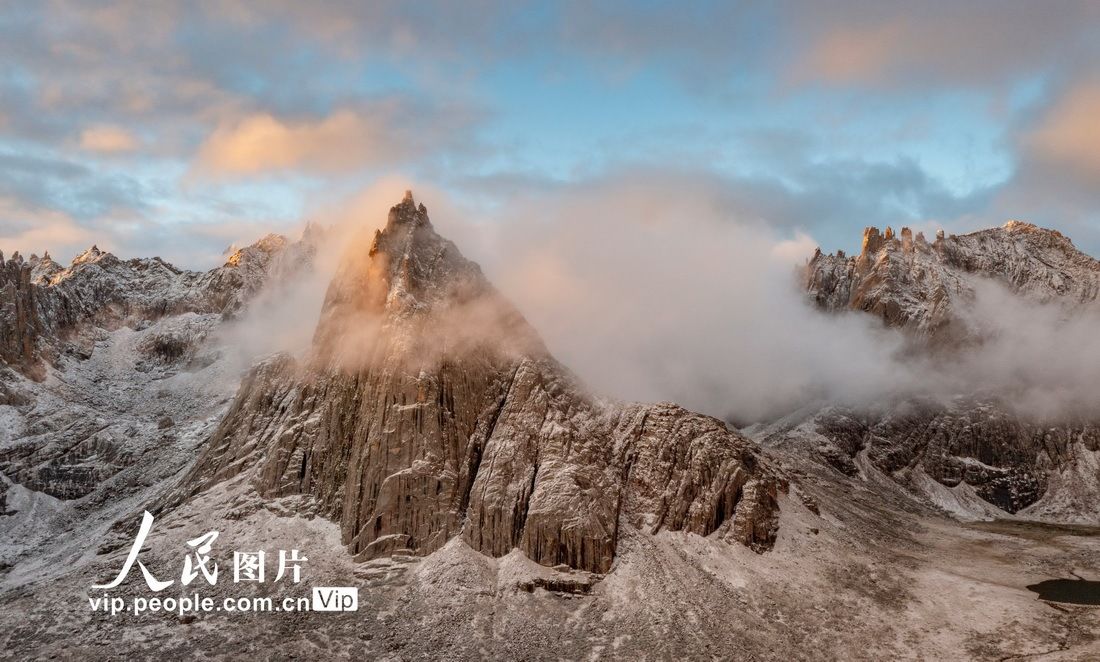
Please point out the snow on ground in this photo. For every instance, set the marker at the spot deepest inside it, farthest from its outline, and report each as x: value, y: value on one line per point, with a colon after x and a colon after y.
x: 142, y: 419
x: 1074, y: 494
x: 865, y: 579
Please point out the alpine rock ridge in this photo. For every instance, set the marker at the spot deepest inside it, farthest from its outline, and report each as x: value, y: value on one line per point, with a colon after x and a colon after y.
x: 423, y: 446
x: 975, y: 454
x: 144, y: 322
x: 429, y: 409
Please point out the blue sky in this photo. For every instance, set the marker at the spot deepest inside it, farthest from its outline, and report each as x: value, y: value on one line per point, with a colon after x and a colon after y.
x: 178, y: 128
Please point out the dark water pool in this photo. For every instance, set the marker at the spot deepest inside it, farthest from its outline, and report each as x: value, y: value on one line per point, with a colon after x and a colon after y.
x: 1072, y: 591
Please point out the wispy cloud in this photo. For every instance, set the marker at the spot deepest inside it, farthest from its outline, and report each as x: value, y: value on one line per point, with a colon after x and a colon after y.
x: 386, y: 133
x: 827, y: 116
x: 1069, y: 133
x: 109, y: 139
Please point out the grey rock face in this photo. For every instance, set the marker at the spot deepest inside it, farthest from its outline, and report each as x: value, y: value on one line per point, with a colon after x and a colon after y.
x: 1006, y: 459
x: 20, y: 324
x: 429, y: 409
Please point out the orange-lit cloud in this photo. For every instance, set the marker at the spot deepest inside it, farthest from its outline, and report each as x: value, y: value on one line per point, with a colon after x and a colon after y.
x: 39, y: 230
x: 1069, y: 134
x: 850, y: 55
x: 366, y: 208
x: 893, y: 43
x: 107, y: 138
x: 261, y: 142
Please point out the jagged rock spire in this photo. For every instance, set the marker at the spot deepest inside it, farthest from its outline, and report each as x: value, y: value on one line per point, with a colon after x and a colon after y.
x: 407, y: 266
x: 920, y: 286
x: 410, y: 276
x: 430, y: 409
x: 872, y: 240
x: 90, y: 255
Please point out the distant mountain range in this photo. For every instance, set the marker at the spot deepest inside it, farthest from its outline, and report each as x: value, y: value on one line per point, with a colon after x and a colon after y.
x: 428, y: 448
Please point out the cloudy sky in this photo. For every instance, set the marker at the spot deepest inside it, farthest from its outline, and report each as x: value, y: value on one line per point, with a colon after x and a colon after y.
x: 178, y: 128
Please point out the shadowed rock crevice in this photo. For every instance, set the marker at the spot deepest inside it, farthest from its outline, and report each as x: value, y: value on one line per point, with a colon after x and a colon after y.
x: 429, y: 408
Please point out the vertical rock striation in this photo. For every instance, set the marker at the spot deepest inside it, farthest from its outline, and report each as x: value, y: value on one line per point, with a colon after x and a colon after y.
x: 20, y: 324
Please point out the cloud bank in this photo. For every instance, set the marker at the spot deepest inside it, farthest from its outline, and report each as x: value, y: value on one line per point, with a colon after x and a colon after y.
x: 160, y: 115
x: 665, y: 290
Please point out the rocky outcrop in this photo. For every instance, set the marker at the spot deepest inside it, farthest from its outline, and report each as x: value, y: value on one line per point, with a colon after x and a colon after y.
x: 1006, y: 459
x: 429, y: 408
x: 920, y: 286
x: 975, y: 443
x: 42, y: 303
x: 66, y: 466
x: 20, y: 324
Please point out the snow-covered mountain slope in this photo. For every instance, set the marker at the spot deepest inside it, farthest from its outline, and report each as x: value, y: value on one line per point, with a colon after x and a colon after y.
x: 103, y: 433
x: 115, y: 371
x: 482, y: 455
x: 975, y: 453
x: 431, y: 409
x: 920, y: 286
x: 974, y: 458
x: 42, y: 304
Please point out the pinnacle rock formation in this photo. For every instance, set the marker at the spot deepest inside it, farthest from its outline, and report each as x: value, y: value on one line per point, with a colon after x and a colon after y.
x: 974, y: 450
x: 429, y: 409
x: 920, y: 286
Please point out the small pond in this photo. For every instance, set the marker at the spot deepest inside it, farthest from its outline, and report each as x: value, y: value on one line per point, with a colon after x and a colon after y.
x: 1071, y: 591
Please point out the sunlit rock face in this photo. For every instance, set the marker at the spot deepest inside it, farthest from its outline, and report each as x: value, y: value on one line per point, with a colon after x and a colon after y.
x: 429, y: 409
x: 922, y: 286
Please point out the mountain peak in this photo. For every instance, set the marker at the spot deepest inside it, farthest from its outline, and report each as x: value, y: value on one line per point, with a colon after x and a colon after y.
x: 92, y: 255
x: 412, y: 278
x: 910, y: 283
x: 262, y: 249
x: 1020, y: 226
x: 430, y: 409
x: 412, y: 263
x: 407, y: 212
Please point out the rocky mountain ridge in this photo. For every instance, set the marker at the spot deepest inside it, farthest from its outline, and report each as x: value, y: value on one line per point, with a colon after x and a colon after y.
x: 104, y: 343
x: 42, y: 302
x: 973, y: 454
x: 430, y: 409
x: 918, y: 285
x: 430, y: 416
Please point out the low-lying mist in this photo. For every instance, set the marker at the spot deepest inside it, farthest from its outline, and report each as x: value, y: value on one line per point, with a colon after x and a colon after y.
x: 1044, y: 358
x: 661, y: 290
